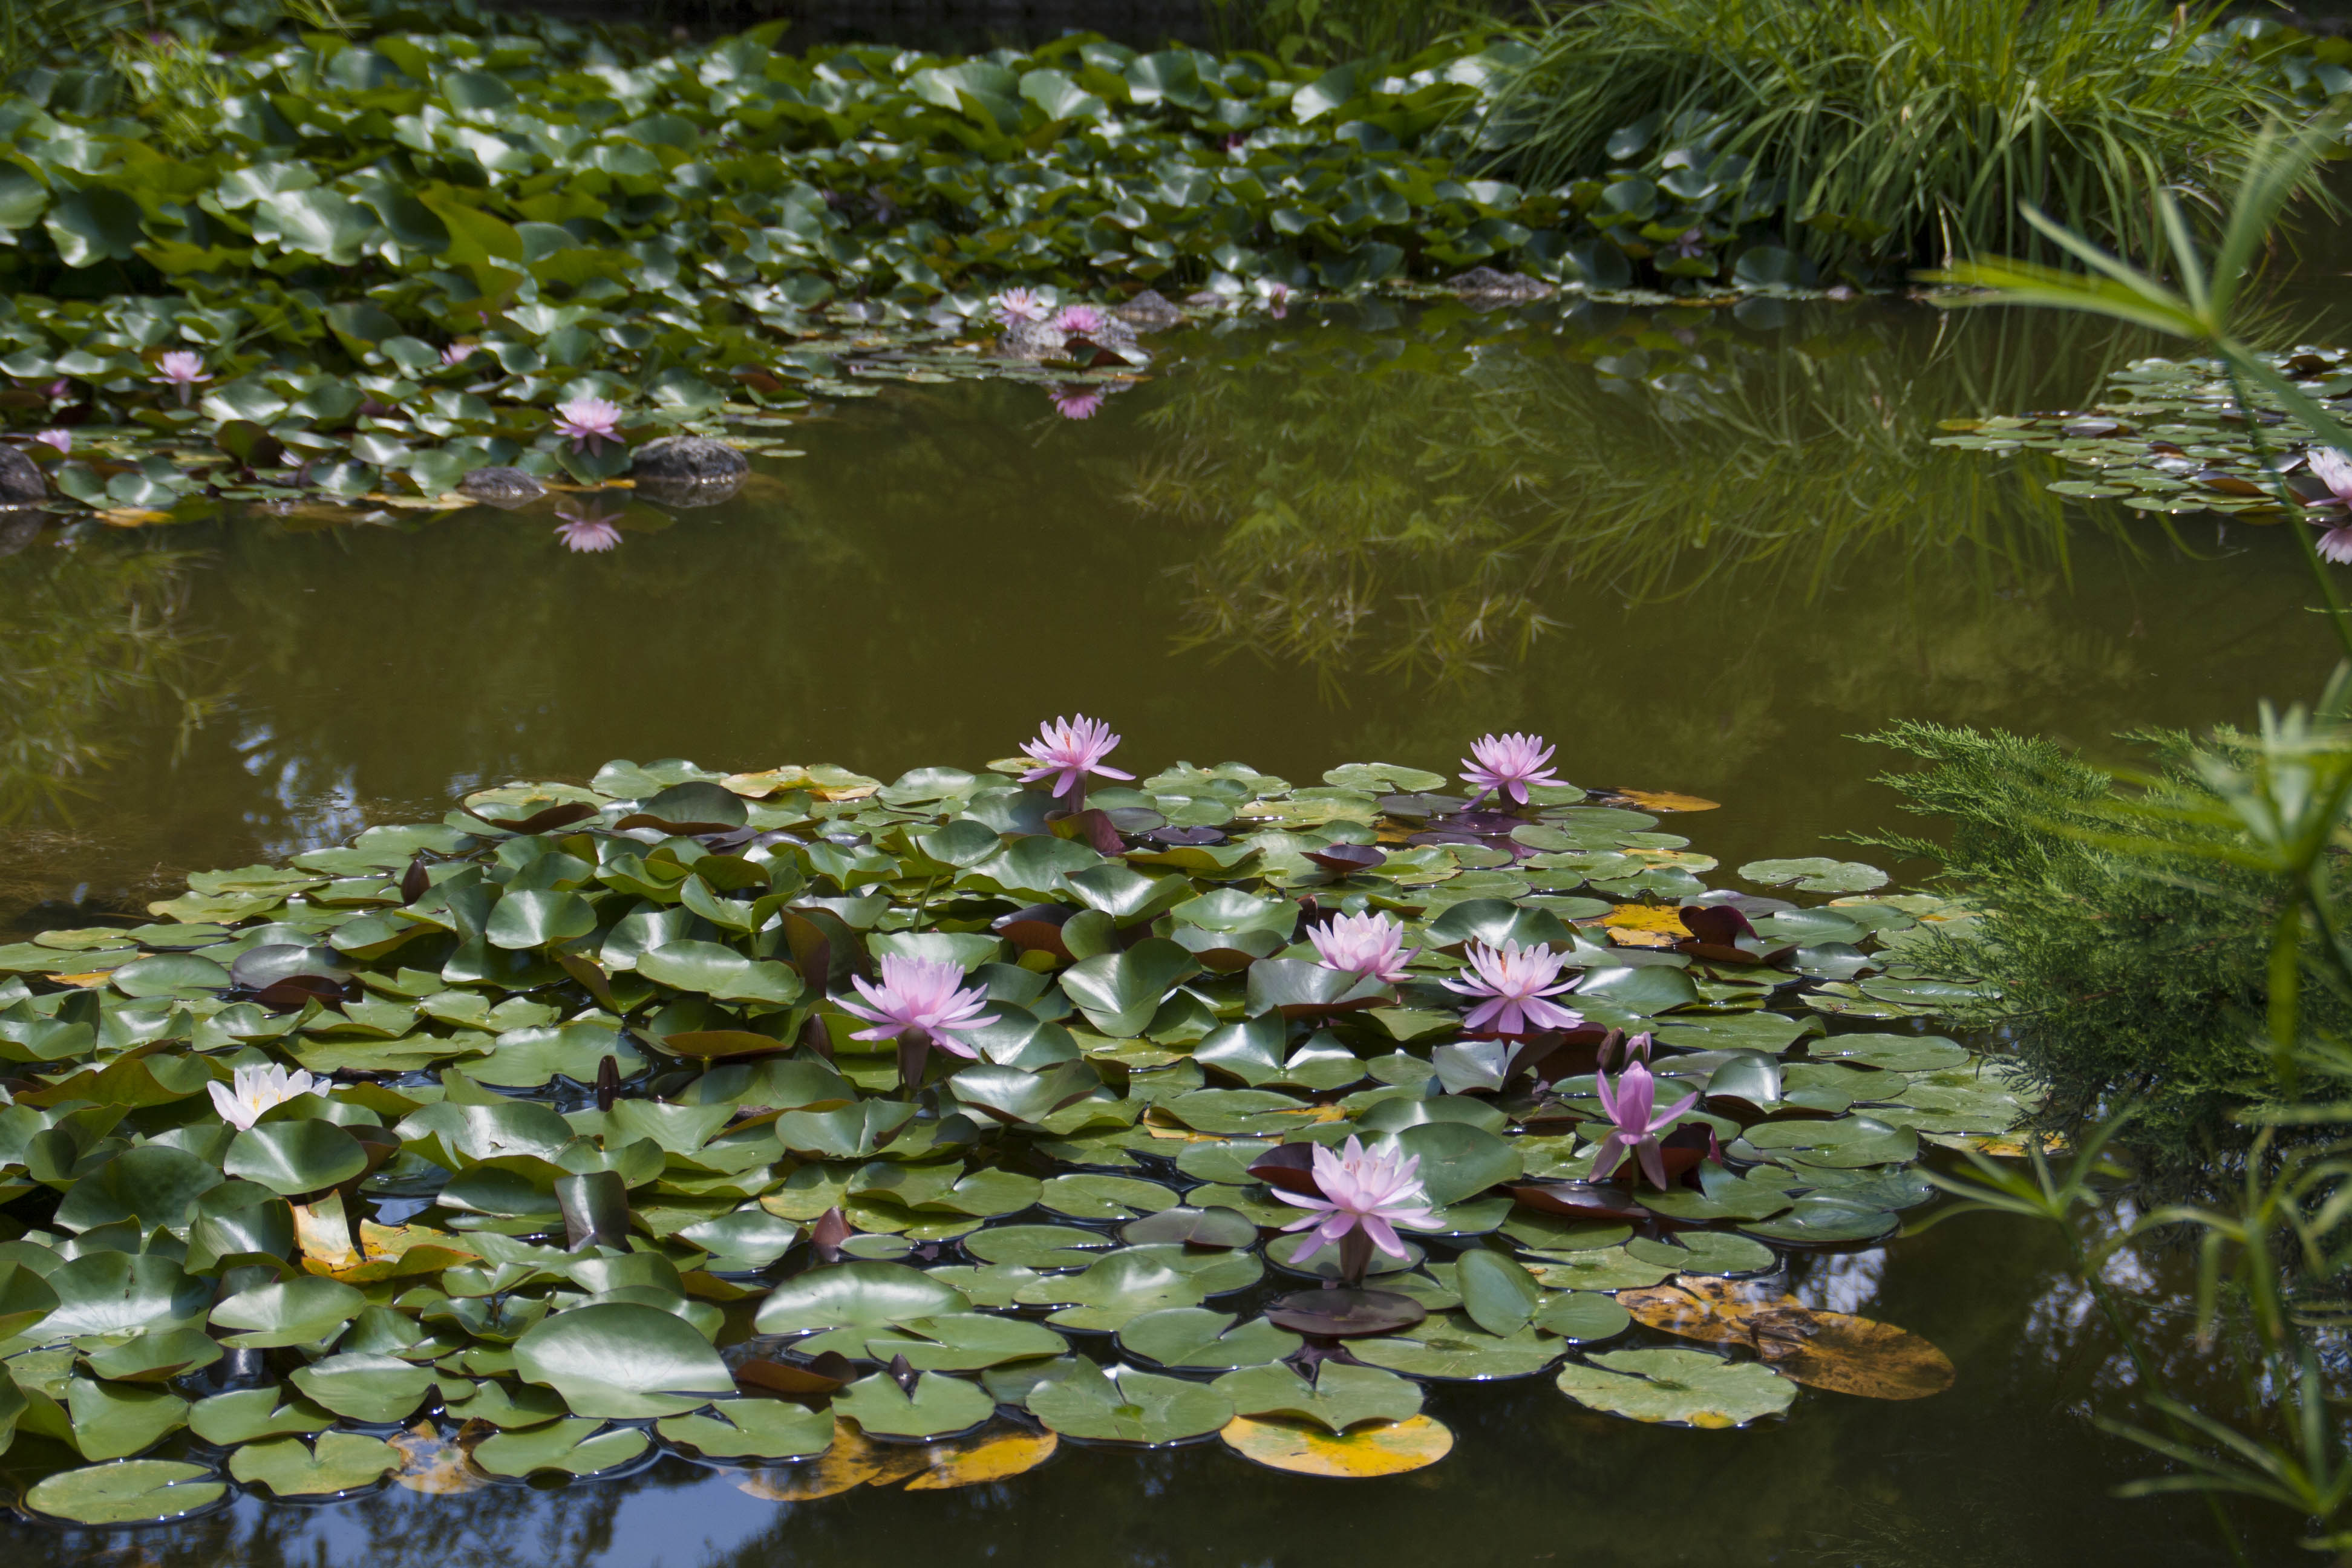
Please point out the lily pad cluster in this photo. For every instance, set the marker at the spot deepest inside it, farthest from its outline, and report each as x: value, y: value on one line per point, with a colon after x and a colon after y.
x: 385, y: 260
x: 538, y: 1142
x: 2173, y: 437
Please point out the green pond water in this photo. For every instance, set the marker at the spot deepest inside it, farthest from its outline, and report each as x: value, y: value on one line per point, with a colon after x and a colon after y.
x: 1699, y: 550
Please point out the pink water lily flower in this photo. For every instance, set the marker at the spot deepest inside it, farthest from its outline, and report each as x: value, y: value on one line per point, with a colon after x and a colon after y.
x: 1278, y: 298
x: 1076, y: 402
x: 1371, y: 1193
x: 456, y: 353
x: 1509, y: 764
x: 1067, y: 749
x: 1020, y: 305
x: 256, y: 1089
x: 2334, y: 469
x: 182, y: 370
x: 62, y: 440
x: 1078, y: 321
x: 590, y: 422
x: 588, y: 535
x: 921, y: 1002
x: 1634, y: 1130
x: 1515, y: 980
x: 1370, y: 945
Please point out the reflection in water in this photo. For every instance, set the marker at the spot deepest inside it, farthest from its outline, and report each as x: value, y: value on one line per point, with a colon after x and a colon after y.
x: 1418, y: 501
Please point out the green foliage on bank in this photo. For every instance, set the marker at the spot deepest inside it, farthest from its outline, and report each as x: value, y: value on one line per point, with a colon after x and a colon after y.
x: 1910, y: 131
x: 2133, y: 964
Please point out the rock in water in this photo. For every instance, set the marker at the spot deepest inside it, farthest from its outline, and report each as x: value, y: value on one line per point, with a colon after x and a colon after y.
x: 1486, y: 280
x: 502, y: 486
x: 21, y: 483
x: 689, y: 460
x: 1030, y: 340
x: 19, y: 526
x: 1149, y: 310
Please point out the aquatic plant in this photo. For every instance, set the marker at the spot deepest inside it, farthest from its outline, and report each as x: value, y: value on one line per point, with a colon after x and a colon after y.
x: 1370, y: 945
x: 589, y: 421
x: 1905, y: 130
x: 1632, y: 1129
x: 612, y: 1147
x: 1363, y: 1197
x: 1513, y: 984
x: 1068, y: 751
x: 1509, y: 764
x: 254, y: 1089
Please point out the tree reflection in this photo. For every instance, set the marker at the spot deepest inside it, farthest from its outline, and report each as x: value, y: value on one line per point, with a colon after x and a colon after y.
x: 1418, y: 501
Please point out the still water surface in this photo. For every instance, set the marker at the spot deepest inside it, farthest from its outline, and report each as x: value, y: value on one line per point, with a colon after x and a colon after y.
x: 1701, y: 550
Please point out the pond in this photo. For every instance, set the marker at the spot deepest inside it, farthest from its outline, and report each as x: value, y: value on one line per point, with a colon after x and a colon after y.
x: 1701, y: 549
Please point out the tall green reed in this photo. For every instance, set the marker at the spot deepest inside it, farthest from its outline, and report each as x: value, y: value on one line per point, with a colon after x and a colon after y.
x: 1910, y: 129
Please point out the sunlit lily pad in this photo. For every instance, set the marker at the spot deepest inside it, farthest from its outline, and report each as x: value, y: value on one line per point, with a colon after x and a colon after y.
x: 1127, y: 1407
x: 332, y: 1462
x: 1685, y: 1387
x: 1194, y: 1339
x: 939, y: 1407
x: 575, y: 1446
x: 1341, y: 1395
x: 128, y: 1491
x: 751, y: 1429
x: 1385, y: 1448
x: 1452, y: 1348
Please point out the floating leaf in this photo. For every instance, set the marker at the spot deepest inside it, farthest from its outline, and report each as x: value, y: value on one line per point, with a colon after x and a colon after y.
x: 623, y: 1360
x: 937, y: 1406
x: 129, y: 1491
x: 751, y: 1429
x: 1685, y: 1387
x: 1124, y: 1405
x: 1828, y: 1350
x: 575, y: 1446
x: 1341, y: 1397
x: 333, y: 1462
x: 1386, y: 1449
x: 1195, y: 1339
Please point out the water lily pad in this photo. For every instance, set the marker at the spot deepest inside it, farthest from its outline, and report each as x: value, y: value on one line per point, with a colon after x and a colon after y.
x: 1196, y: 1339
x: 939, y: 1407
x: 1815, y: 874
x: 128, y: 1491
x: 333, y: 1462
x: 1123, y: 1406
x: 250, y: 1414
x: 1385, y: 1448
x: 863, y: 1295
x: 1583, y: 1316
x: 994, y: 1453
x: 576, y: 1446
x: 1041, y: 1247
x: 1598, y: 1268
x: 1452, y: 1348
x: 621, y: 1359
x: 1296, y: 1254
x: 1497, y: 1294
x: 751, y: 1429
x: 1212, y: 1227
x: 291, y: 1312
x: 955, y: 1341
x: 853, y: 1460
x: 1089, y: 1197
x: 1824, y: 1349
x: 1704, y: 1252
x: 365, y: 1387
x: 1683, y: 1387
x: 1341, y: 1395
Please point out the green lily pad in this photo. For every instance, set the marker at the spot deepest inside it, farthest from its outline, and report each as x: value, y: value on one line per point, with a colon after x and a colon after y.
x: 1341, y: 1397
x: 129, y: 1491
x: 955, y: 1341
x: 576, y: 1445
x: 333, y: 1462
x: 1600, y: 1268
x: 751, y: 1429
x: 1090, y: 1197
x: 1451, y: 1347
x: 363, y: 1387
x: 250, y: 1414
x: 621, y: 1359
x: 1042, y: 1247
x: 1497, y: 1294
x: 1196, y: 1339
x: 1689, y: 1388
x: 1582, y: 1316
x: 1704, y: 1252
x: 292, y: 1313
x: 939, y: 1406
x: 861, y: 1295
x: 1815, y: 874
x: 1124, y: 1405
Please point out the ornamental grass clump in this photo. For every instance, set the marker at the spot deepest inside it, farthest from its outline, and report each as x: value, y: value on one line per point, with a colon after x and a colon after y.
x: 1908, y: 129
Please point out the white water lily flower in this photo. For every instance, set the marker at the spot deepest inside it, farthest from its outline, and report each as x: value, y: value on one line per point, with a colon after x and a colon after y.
x: 256, y: 1089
